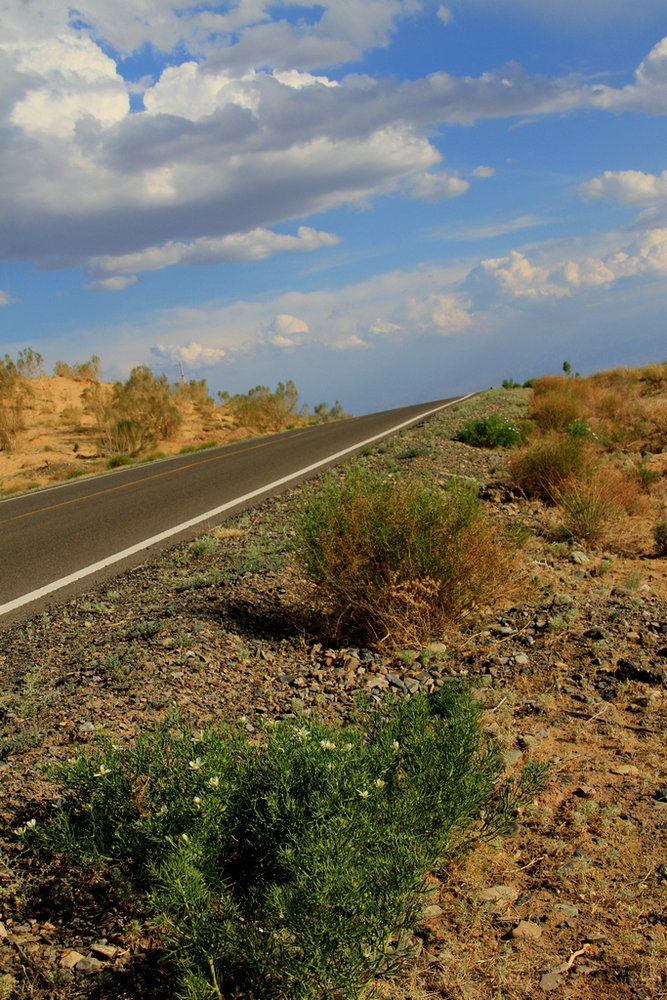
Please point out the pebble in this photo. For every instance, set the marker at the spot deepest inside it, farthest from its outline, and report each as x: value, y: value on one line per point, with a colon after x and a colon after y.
x: 89, y: 965
x: 527, y: 930
x: 70, y: 959
x: 571, y: 911
x: 521, y: 660
x: 550, y: 981
x: 499, y: 894
x: 433, y: 910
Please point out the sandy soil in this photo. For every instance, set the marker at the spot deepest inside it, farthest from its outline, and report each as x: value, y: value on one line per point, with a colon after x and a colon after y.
x: 58, y: 437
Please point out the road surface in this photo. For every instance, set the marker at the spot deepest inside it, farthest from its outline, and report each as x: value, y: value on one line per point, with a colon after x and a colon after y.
x: 64, y: 539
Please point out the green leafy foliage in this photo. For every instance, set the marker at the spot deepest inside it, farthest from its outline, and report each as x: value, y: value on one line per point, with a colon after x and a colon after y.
x: 288, y: 866
x: 493, y: 431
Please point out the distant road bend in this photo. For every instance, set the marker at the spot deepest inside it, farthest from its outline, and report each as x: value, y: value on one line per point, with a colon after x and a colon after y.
x: 61, y: 540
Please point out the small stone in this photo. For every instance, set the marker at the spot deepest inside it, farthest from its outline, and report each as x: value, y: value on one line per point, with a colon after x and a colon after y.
x: 86, y: 727
x: 106, y: 950
x: 3, y: 931
x: 412, y: 684
x: 550, y: 981
x: 433, y: 910
x: 526, y: 930
x: 89, y: 965
x: 378, y: 683
x: 627, y: 770
x: 571, y: 911
x: 521, y: 660
x: 511, y: 758
x: 596, y: 936
x: 585, y: 791
x: 70, y: 959
x: 579, y: 557
x: 499, y: 894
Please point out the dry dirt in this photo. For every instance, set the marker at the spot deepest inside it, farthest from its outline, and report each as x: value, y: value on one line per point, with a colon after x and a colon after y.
x: 58, y: 438
x: 571, y: 664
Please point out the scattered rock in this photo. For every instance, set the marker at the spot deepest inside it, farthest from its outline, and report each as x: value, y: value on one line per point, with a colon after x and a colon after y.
x: 89, y: 965
x: 70, y: 959
x: 570, y: 911
x: 433, y: 910
x: 550, y: 981
x: 526, y: 930
x: 504, y: 894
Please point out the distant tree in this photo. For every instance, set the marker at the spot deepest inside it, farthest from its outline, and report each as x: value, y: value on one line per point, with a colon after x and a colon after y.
x: 567, y: 367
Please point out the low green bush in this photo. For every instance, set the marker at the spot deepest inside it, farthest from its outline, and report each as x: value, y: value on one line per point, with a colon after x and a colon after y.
x: 293, y: 865
x: 493, y: 431
x: 398, y: 559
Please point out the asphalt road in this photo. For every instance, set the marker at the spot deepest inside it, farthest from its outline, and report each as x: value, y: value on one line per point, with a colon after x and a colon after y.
x: 62, y: 540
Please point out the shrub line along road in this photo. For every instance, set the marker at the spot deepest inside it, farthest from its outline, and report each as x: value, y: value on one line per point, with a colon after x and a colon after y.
x: 64, y: 539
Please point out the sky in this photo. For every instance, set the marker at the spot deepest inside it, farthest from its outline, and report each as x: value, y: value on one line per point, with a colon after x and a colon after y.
x: 386, y: 201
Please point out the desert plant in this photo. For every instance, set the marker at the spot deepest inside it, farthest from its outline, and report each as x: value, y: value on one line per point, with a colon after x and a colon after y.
x: 293, y: 866
x: 493, y: 431
x: 660, y: 536
x: 262, y: 409
x: 542, y: 469
x: 14, y: 391
x: 135, y: 414
x: 398, y: 559
x: 588, y: 509
x: 558, y: 402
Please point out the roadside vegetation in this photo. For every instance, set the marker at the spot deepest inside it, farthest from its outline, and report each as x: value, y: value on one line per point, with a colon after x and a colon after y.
x: 80, y: 424
x: 307, y: 755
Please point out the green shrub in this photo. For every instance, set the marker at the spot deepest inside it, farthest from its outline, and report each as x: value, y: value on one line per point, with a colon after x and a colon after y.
x: 542, y: 469
x: 493, y: 431
x: 645, y: 475
x: 398, y: 559
x: 264, y: 410
x: 294, y: 866
x: 135, y: 415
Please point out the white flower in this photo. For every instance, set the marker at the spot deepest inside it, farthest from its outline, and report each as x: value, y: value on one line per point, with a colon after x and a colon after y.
x: 327, y: 745
x: 363, y: 792
x: 197, y: 802
x: 198, y: 737
x: 301, y: 734
x: 214, y: 782
x: 348, y: 747
x: 185, y: 837
x: 115, y: 746
x: 195, y: 765
x: 243, y: 720
x: 379, y: 783
x: 162, y: 811
x: 30, y: 825
x: 395, y: 745
x: 102, y: 771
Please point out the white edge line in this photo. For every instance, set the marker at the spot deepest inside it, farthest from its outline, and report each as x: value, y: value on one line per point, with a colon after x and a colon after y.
x: 147, y: 543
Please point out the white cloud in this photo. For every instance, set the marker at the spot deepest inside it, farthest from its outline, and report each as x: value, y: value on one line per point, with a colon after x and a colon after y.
x: 192, y: 354
x: 5, y: 298
x: 351, y: 343
x: 518, y: 278
x: 255, y: 245
x: 484, y: 172
x: 629, y: 187
x: 445, y: 14
x: 436, y: 187
x: 116, y: 283
x: 563, y: 270
x: 490, y: 230
x: 286, y: 323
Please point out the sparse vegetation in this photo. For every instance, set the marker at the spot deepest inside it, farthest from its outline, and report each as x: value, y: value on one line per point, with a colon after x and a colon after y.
x: 135, y: 415
x: 295, y: 867
x: 399, y: 558
x: 493, y: 431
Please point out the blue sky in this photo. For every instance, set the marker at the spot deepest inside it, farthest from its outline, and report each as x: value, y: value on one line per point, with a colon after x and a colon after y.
x: 387, y: 201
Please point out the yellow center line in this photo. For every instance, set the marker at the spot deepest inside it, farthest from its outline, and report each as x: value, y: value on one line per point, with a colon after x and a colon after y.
x: 137, y: 482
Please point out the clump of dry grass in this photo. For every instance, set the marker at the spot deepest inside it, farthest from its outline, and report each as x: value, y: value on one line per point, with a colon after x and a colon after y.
x: 135, y: 415
x: 543, y: 467
x: 399, y: 560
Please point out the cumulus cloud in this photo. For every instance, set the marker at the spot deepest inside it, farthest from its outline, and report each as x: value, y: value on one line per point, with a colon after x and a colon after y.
x: 240, y: 133
x: 191, y: 355
x: 5, y: 298
x: 484, y: 172
x: 629, y: 187
x: 558, y: 273
x: 284, y: 330
x: 445, y: 14
x: 437, y: 187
